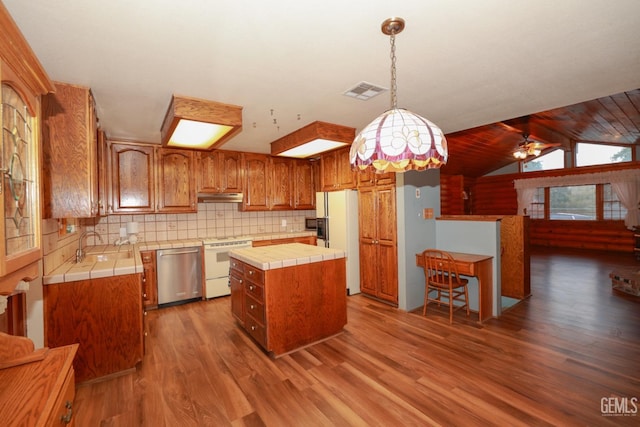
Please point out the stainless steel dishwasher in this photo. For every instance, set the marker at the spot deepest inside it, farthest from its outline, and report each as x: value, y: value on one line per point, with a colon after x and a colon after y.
x: 179, y: 275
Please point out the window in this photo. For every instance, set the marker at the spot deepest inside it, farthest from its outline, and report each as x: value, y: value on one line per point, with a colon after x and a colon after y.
x: 601, y: 154
x: 573, y: 202
x: 536, y: 209
x: 552, y: 160
x: 612, y: 208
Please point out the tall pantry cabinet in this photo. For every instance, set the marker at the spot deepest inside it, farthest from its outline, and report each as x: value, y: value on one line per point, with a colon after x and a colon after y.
x: 378, y: 242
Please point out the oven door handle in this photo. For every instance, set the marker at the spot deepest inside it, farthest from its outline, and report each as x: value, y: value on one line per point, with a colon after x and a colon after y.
x: 193, y: 251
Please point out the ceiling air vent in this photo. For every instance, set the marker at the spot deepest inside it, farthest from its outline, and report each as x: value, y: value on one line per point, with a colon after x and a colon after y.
x: 364, y: 91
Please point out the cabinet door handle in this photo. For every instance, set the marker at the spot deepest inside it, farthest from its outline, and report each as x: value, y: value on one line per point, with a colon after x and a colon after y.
x: 66, y: 418
x: 252, y: 306
x: 251, y: 287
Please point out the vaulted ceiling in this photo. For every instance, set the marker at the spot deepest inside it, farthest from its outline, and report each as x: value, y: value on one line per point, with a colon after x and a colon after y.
x: 469, y: 66
x: 611, y: 119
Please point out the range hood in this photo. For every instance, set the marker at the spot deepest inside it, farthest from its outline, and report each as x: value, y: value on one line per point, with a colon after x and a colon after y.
x: 220, y: 197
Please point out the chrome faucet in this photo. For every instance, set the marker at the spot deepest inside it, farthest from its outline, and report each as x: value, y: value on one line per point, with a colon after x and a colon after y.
x: 80, y: 251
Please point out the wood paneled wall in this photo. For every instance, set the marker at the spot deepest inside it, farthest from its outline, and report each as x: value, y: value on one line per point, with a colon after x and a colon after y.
x: 496, y: 195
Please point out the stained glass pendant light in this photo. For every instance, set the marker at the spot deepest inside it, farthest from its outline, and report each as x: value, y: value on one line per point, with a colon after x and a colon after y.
x: 398, y: 140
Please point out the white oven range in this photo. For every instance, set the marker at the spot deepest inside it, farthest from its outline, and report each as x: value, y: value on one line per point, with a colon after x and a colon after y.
x: 216, y: 262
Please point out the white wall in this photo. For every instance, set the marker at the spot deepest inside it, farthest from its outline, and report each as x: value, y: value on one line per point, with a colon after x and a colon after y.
x: 476, y: 237
x: 415, y: 234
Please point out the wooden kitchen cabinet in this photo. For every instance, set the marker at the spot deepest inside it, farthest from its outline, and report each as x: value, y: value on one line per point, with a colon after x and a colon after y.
x: 515, y: 263
x: 282, y: 185
x: 287, y: 308
x: 147, y: 179
x: 149, y: 280
x: 132, y: 178
x: 104, y: 190
x: 24, y: 81
x: 40, y: 392
x: 304, y: 185
x: 307, y: 240
x: 278, y: 183
x: 335, y: 171
x: 236, y: 285
x: 220, y: 171
x: 256, y: 197
x: 378, y: 243
x: 176, y: 180
x: 368, y: 178
x: 104, y: 316
x: 70, y: 153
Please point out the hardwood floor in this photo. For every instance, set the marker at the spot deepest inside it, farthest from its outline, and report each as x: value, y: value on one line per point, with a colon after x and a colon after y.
x: 549, y: 360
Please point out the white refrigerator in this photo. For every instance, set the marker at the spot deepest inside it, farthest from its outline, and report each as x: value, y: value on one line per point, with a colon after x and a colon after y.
x: 340, y: 208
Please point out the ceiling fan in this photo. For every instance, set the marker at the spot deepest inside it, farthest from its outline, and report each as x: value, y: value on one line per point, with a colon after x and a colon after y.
x: 531, y: 148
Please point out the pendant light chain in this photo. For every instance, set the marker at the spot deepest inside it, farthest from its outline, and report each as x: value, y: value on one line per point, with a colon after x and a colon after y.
x: 398, y: 140
x: 394, y: 88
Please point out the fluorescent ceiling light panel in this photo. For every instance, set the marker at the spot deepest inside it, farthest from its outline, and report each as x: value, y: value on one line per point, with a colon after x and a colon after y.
x: 312, y: 148
x: 313, y: 139
x: 197, y: 135
x: 199, y: 124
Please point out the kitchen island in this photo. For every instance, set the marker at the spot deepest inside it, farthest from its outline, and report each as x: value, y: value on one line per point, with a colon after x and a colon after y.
x: 289, y: 296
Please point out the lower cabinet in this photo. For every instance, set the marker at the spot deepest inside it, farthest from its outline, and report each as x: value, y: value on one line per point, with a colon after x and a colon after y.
x: 104, y: 316
x: 286, y: 308
x: 149, y: 279
x: 41, y: 392
x: 307, y: 240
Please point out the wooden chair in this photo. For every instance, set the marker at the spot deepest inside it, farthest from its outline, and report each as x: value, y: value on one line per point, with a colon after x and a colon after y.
x: 441, y: 277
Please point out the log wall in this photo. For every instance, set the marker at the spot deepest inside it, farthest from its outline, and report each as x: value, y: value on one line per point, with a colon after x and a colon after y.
x: 496, y: 195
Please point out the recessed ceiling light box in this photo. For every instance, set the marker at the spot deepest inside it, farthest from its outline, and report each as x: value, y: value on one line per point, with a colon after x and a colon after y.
x: 199, y: 124
x: 313, y: 139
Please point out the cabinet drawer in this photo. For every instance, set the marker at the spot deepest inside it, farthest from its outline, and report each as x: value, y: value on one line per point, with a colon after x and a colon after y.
x: 257, y: 331
x: 236, y: 265
x: 254, y: 309
x: 254, y: 274
x: 62, y: 413
x: 255, y: 290
x: 148, y: 257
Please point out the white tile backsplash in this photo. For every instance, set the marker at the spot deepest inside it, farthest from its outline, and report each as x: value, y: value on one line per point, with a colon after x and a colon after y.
x: 211, y: 220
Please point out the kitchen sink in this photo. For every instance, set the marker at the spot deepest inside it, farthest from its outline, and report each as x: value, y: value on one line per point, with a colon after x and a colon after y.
x: 108, y: 256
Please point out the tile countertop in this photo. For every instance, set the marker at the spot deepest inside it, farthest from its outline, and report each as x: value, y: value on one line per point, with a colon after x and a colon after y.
x: 285, y: 255
x: 91, y: 268
x: 71, y: 271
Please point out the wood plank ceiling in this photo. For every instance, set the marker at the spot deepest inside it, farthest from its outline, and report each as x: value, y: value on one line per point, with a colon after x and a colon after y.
x: 612, y: 119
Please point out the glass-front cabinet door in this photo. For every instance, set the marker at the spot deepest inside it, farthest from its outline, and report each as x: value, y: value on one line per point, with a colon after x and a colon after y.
x: 19, y: 190
x: 18, y: 184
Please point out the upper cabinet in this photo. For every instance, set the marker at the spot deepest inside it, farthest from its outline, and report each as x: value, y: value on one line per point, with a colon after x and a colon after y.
x: 278, y: 183
x: 304, y: 184
x: 132, y: 178
x: 256, y: 182
x: 282, y: 184
x: 146, y: 178
x: 176, y: 180
x: 24, y: 81
x: 368, y: 177
x: 220, y: 172
x: 335, y: 171
x: 70, y: 150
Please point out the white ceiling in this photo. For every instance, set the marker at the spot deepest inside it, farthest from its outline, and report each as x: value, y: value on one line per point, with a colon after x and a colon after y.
x: 461, y: 63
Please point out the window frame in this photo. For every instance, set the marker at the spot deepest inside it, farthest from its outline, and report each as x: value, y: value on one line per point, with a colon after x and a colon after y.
x: 599, y: 204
